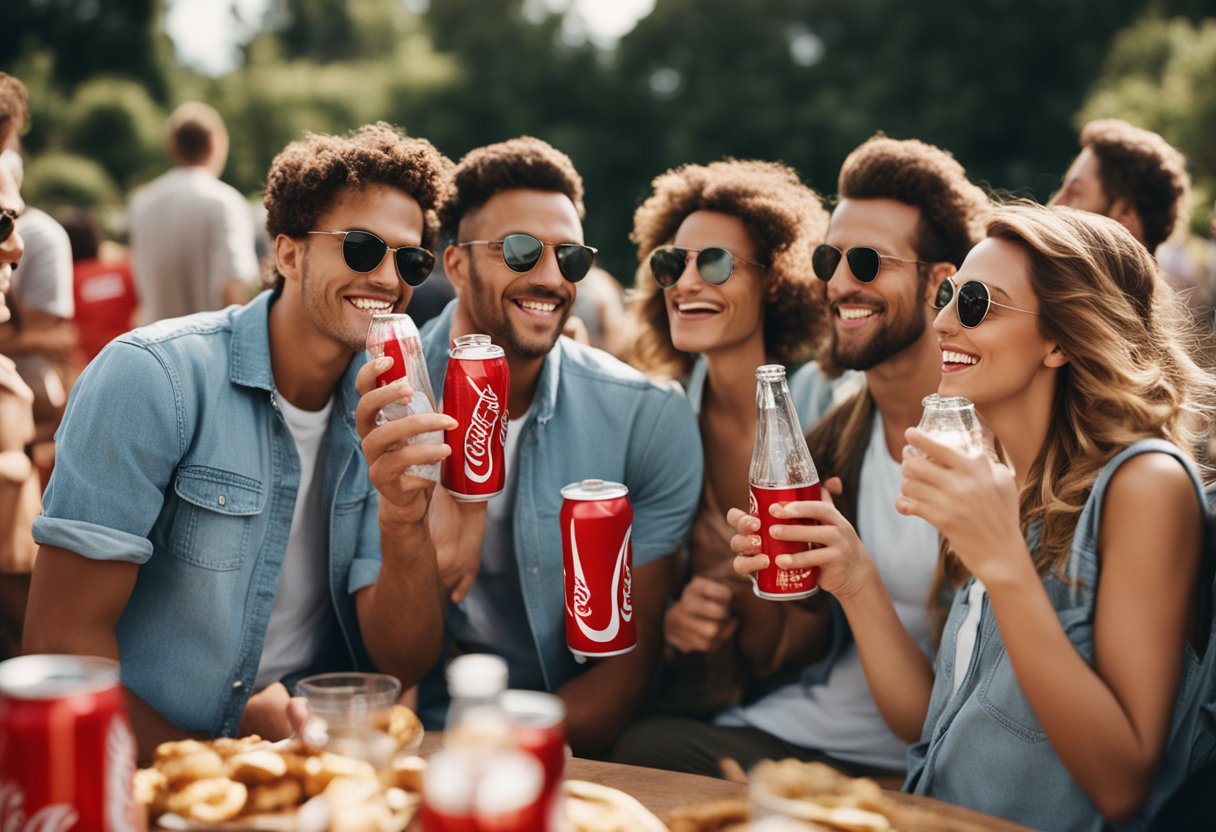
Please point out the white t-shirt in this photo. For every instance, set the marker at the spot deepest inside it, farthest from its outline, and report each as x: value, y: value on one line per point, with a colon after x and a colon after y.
x: 301, y: 607
x: 496, y: 620
x: 968, y: 631
x: 840, y: 716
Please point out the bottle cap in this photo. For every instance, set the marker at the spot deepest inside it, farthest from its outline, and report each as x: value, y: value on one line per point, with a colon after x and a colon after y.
x: 477, y: 675
x: 770, y: 372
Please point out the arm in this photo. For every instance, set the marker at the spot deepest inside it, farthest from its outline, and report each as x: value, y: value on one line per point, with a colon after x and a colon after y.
x: 602, y: 702
x: 1108, y: 721
x: 40, y: 332
x: 400, y: 615
x: 458, y: 529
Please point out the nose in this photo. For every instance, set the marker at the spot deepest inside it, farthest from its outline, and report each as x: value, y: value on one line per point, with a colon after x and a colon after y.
x: 546, y: 274
x: 12, y: 249
x: 690, y: 278
x: 385, y: 276
x: 946, y: 322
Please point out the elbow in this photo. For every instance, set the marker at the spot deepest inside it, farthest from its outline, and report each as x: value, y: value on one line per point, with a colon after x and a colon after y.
x: 1122, y: 800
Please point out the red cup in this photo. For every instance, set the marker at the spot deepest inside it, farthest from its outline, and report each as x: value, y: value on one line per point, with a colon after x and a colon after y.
x: 539, y: 720
x: 771, y: 582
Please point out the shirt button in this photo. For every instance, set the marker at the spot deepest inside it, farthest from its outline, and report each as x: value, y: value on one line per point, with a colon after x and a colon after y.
x: 238, y: 685
x: 223, y: 499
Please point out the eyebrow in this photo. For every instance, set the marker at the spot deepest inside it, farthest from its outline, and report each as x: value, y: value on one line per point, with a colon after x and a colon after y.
x: 992, y: 287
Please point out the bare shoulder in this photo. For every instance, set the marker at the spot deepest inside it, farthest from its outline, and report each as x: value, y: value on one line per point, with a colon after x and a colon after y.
x: 1152, y: 485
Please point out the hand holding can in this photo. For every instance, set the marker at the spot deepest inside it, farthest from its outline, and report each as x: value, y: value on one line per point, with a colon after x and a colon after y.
x: 395, y: 336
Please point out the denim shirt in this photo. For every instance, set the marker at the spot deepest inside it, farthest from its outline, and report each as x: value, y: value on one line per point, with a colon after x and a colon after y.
x: 591, y: 417
x: 984, y: 747
x: 173, y: 455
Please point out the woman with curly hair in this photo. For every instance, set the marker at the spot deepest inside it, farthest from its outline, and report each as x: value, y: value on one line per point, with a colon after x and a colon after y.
x: 1069, y: 655
x: 725, y: 285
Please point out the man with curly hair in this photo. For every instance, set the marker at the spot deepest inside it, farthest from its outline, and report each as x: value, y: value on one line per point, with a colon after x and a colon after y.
x: 905, y: 218
x: 514, y: 220
x: 212, y: 519
x: 14, y: 110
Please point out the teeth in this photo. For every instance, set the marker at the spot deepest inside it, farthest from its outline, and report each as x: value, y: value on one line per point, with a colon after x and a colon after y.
x: 952, y: 357
x: 696, y: 307
x: 537, y: 306
x: 369, y: 303
x: 855, y: 314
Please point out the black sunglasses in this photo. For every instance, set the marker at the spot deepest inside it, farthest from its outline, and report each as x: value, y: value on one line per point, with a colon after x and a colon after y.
x: 715, y: 265
x: 521, y: 253
x: 864, y: 261
x: 8, y: 223
x: 363, y: 251
x: 973, y: 301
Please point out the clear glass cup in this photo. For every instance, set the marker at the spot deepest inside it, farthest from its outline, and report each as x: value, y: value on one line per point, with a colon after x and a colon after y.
x: 952, y: 421
x: 347, y: 713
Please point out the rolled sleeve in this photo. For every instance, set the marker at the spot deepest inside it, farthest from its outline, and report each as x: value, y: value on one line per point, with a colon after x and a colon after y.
x: 117, y: 449
x: 664, y: 479
x: 365, y: 568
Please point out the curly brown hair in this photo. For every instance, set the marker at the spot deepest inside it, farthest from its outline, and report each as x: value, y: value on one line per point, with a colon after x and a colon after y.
x: 952, y: 209
x: 525, y: 162
x: 14, y: 107
x: 194, y: 129
x: 1140, y: 166
x: 307, y: 176
x: 785, y: 220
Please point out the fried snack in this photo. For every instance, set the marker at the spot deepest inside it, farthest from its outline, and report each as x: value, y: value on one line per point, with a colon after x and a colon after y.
x: 274, y: 797
x: 213, y: 800
x: 407, y: 773
x: 255, y: 767
x: 818, y: 793
x: 186, y: 764
x: 404, y: 727
x: 320, y: 770
x: 229, y: 747
x: 151, y: 791
x: 590, y: 807
x: 357, y: 804
x: 709, y: 817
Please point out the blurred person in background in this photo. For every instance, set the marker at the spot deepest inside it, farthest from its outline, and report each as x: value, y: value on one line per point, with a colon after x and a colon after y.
x: 225, y: 515
x: 103, y: 287
x: 191, y: 235
x: 600, y: 306
x: 725, y: 286
x: 514, y: 214
x: 906, y: 217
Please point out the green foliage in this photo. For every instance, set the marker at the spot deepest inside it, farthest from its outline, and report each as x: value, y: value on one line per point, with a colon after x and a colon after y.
x: 59, y: 180
x: 116, y: 123
x: 1159, y: 75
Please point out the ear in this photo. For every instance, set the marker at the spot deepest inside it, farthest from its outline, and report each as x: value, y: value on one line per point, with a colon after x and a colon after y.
x: 1056, y: 358
x: 938, y: 273
x: 288, y: 256
x: 456, y: 266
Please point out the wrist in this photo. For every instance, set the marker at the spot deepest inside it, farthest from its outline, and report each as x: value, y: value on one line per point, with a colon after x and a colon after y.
x: 1010, y: 570
x: 411, y: 513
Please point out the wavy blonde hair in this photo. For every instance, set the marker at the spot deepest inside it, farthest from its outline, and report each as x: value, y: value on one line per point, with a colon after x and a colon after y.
x: 1130, y: 373
x: 785, y: 220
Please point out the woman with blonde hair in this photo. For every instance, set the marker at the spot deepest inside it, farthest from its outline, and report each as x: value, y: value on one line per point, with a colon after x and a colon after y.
x: 1066, y: 672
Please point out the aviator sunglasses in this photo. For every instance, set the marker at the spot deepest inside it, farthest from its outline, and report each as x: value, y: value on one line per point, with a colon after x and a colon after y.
x: 8, y: 223
x: 363, y: 251
x: 974, y: 298
x: 864, y: 261
x: 715, y: 265
x: 521, y: 253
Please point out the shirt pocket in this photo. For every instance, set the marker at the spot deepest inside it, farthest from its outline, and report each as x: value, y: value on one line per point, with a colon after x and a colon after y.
x: 1001, y: 694
x: 217, y: 511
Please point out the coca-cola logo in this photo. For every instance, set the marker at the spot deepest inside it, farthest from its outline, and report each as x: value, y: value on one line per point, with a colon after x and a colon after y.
x: 57, y: 817
x: 478, y: 461
x: 622, y: 602
x: 120, y: 774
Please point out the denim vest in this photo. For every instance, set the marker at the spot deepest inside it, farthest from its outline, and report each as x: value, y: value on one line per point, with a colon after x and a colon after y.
x: 173, y: 455
x: 591, y: 416
x: 984, y: 747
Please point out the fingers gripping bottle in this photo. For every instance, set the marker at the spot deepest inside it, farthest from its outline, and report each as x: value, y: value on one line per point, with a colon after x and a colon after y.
x: 396, y: 336
x: 781, y: 472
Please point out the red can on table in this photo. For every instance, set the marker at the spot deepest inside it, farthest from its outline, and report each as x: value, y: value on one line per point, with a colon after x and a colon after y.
x: 597, y: 569
x: 67, y: 755
x: 475, y: 392
x: 771, y: 582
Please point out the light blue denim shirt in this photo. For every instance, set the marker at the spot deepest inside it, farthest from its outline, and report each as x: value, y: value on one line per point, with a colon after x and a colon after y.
x: 983, y: 747
x: 173, y: 455
x: 591, y: 417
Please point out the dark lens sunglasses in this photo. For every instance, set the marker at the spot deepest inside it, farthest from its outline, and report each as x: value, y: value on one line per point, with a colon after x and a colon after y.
x: 521, y: 253
x: 715, y: 265
x: 8, y: 223
x: 974, y: 298
x: 864, y: 261
x: 364, y: 251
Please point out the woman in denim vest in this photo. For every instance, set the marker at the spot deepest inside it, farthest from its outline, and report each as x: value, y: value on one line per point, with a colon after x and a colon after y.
x: 1077, y: 561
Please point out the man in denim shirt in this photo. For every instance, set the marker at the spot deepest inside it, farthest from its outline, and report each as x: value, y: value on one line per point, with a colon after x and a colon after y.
x: 211, y: 520
x: 514, y: 217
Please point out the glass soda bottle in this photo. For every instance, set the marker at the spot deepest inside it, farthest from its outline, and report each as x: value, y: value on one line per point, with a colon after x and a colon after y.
x: 396, y: 336
x: 781, y: 472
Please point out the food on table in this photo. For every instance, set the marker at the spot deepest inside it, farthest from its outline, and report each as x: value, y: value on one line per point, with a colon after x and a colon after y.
x: 590, y: 807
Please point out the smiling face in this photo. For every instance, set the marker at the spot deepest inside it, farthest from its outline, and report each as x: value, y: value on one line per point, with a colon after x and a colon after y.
x: 338, y: 302
x: 523, y: 312
x: 872, y: 322
x: 12, y: 248
x: 705, y: 318
x: 1005, y: 355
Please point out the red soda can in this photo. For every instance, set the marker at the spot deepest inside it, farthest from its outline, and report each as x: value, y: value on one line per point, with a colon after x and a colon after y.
x: 67, y: 754
x: 475, y: 392
x: 597, y: 569
x: 770, y: 582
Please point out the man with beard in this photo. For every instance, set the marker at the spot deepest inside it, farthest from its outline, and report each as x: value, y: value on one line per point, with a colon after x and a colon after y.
x: 514, y: 219
x: 906, y: 217
x: 211, y: 521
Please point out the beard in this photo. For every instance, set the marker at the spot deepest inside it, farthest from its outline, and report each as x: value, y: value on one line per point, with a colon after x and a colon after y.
x: 487, y: 314
x: 895, y: 336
